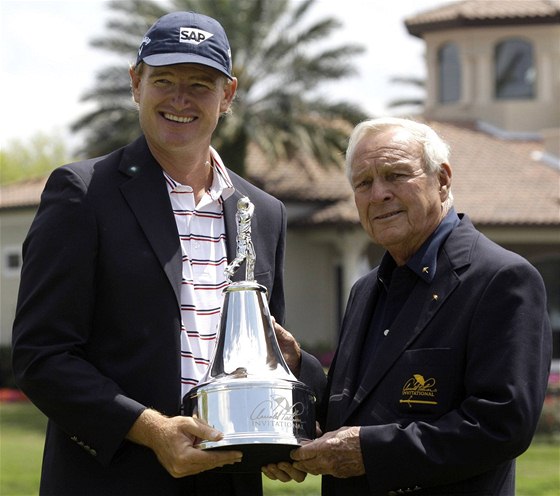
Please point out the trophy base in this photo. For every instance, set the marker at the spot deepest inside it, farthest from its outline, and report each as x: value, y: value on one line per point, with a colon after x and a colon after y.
x: 264, y: 419
x: 255, y: 456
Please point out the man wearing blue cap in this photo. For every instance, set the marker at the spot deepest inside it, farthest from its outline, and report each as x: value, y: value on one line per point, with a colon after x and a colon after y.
x: 122, y: 284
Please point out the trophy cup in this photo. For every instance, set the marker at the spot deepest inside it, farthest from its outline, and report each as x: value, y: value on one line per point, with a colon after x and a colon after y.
x: 249, y: 393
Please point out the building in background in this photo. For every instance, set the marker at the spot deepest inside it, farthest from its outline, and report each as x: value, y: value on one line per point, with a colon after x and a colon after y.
x: 493, y: 93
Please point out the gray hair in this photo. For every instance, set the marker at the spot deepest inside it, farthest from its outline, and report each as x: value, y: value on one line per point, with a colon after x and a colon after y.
x: 435, y: 150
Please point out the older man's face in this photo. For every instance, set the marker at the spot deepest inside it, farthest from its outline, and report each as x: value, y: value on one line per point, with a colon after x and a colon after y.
x: 399, y: 204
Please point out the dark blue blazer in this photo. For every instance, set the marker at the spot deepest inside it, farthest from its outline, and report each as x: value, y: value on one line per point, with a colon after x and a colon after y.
x: 457, y: 387
x: 96, y: 333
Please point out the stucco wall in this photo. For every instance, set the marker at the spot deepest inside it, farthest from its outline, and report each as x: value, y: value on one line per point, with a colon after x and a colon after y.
x: 13, y: 229
x: 476, y: 51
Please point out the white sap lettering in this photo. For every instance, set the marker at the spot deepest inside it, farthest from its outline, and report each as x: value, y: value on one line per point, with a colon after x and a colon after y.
x: 193, y: 36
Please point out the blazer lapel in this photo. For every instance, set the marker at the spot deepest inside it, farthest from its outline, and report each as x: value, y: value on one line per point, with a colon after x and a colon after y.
x: 355, y: 327
x: 423, y: 303
x: 147, y: 196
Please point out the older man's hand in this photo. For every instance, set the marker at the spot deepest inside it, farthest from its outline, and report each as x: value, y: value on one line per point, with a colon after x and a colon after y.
x: 283, y: 471
x: 289, y: 347
x: 336, y: 453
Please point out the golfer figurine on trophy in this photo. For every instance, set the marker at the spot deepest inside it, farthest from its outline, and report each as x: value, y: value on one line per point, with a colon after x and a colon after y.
x: 245, y: 248
x: 249, y: 393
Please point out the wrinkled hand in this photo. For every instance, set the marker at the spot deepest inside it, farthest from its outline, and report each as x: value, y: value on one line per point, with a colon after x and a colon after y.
x: 289, y: 347
x: 336, y: 453
x: 283, y: 471
x: 172, y: 439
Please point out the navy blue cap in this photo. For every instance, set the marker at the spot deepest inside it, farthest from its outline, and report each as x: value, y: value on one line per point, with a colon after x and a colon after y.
x: 186, y: 38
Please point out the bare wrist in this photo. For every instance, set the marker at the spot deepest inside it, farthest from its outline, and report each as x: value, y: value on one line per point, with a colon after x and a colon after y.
x: 145, y: 427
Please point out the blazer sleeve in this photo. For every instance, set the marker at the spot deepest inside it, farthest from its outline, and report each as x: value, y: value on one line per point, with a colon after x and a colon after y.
x: 277, y: 301
x: 54, y: 319
x: 313, y: 375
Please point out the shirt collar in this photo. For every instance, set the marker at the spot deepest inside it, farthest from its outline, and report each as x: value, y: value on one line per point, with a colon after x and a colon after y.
x: 221, y: 183
x: 385, y: 271
x: 424, y: 262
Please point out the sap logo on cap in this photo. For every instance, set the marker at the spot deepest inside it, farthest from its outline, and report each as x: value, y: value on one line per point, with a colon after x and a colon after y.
x: 193, y: 36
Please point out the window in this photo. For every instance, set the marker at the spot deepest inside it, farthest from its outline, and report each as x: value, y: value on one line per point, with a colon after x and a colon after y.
x: 449, y: 73
x: 514, y: 69
x: 11, y: 261
x: 550, y: 271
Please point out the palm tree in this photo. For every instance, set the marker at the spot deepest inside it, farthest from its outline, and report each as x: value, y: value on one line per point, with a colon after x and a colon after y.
x: 417, y: 102
x: 279, y: 65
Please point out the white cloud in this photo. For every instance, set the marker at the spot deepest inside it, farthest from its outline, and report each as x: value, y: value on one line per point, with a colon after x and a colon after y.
x: 46, y: 63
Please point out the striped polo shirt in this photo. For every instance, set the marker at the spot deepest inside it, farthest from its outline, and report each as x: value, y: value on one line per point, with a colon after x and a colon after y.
x: 202, y: 236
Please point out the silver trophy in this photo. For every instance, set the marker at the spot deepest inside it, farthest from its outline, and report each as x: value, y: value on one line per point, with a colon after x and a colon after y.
x: 249, y: 393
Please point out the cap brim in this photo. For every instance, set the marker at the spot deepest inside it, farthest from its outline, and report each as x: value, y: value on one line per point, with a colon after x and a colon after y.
x: 161, y: 59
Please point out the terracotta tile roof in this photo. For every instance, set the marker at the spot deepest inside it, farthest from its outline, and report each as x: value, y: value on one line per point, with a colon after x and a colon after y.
x: 500, y: 182
x: 339, y: 214
x: 469, y: 13
x: 22, y: 194
x: 300, y: 179
x: 495, y: 181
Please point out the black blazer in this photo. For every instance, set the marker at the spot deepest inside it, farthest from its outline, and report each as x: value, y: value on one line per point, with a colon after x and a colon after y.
x: 96, y: 333
x: 458, y: 384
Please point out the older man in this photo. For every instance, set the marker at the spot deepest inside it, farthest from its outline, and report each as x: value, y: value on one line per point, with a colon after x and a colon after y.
x: 442, y: 364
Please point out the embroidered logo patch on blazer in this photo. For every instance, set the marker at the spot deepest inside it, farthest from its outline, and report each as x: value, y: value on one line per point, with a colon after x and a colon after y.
x: 418, y: 390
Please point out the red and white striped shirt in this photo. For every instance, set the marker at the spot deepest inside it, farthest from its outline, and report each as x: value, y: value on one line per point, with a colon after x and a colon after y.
x: 202, y: 236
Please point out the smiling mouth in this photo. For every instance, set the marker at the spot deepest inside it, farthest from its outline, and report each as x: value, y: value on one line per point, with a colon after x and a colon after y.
x: 176, y: 118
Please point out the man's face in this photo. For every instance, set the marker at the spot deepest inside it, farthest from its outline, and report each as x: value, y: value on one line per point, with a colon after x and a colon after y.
x: 179, y: 105
x: 398, y: 203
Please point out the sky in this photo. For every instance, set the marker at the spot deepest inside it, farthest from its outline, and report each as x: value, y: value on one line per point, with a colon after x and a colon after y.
x: 47, y: 63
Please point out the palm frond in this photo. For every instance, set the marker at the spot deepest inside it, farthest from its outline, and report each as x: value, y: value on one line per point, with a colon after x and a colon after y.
x: 280, y: 58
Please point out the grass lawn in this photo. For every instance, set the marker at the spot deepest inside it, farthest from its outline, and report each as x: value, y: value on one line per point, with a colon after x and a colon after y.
x: 22, y: 432
x: 538, y: 470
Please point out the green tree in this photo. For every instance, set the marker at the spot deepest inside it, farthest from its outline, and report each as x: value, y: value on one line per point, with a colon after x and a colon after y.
x: 24, y: 160
x: 281, y: 56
